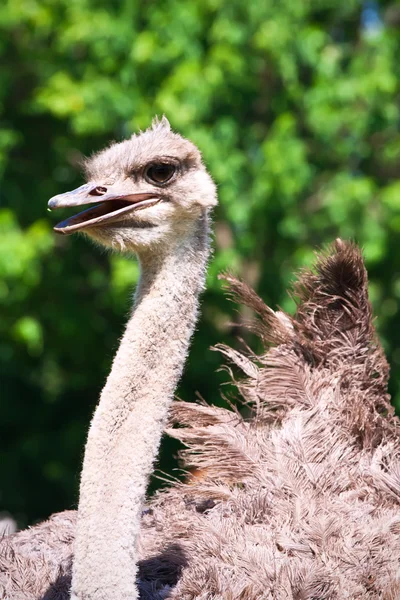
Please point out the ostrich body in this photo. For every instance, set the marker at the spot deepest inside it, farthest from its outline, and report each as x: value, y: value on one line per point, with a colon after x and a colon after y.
x: 299, y: 499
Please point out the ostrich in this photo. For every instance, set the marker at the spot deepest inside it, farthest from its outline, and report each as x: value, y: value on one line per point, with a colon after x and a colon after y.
x: 298, y: 494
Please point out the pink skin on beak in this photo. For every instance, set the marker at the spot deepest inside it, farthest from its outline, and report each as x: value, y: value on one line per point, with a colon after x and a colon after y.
x: 109, y: 204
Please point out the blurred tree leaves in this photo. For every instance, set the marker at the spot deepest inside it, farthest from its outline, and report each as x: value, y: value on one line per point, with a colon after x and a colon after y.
x: 295, y: 106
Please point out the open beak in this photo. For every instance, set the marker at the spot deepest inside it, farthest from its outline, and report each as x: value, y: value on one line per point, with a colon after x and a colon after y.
x: 109, y: 203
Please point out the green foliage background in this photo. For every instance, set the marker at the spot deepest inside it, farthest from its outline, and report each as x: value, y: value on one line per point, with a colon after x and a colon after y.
x: 295, y: 105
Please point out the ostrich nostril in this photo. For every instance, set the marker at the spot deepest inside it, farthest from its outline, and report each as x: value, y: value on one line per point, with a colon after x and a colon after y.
x: 98, y: 191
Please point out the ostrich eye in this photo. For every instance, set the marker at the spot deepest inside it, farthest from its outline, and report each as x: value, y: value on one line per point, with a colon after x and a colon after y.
x: 160, y: 172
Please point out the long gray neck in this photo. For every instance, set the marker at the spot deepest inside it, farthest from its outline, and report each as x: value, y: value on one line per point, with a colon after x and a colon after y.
x: 126, y: 429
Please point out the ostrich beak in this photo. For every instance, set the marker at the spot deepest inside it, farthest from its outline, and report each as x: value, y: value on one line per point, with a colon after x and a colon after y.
x: 110, y: 202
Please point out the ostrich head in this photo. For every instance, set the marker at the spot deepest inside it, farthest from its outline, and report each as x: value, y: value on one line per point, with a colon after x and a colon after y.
x: 143, y: 192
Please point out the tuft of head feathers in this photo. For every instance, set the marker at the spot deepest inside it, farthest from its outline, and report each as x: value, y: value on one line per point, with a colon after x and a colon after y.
x: 162, y: 124
x: 297, y: 496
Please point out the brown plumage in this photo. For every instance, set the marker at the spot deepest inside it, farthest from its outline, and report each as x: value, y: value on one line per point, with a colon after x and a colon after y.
x: 298, y: 494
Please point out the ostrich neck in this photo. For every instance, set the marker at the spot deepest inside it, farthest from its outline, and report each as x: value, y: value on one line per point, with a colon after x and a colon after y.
x: 126, y: 429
